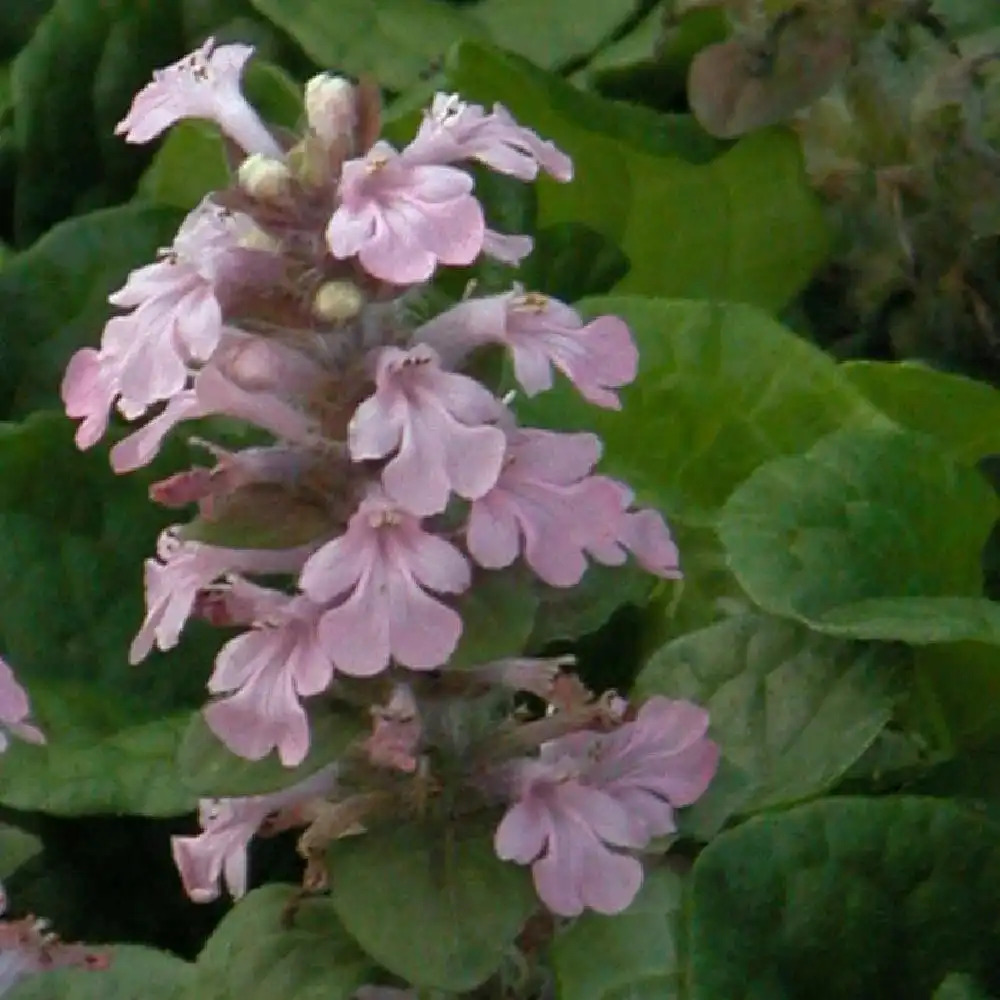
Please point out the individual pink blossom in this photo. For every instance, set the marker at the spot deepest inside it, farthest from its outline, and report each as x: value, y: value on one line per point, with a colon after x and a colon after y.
x: 597, y: 357
x: 218, y: 394
x: 453, y: 130
x: 642, y: 532
x: 575, y: 837
x: 384, y: 993
x: 90, y: 386
x: 380, y: 572
x: 142, y: 446
x: 591, y: 798
x: 28, y: 947
x: 660, y: 762
x: 14, y: 711
x: 204, y: 84
x: 266, y: 672
x: 402, y: 219
x: 182, y: 569
x: 436, y: 422
x: 545, y: 504
x: 176, y: 316
x: 219, y: 852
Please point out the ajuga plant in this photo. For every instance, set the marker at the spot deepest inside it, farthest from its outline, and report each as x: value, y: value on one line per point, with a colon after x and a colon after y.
x: 385, y: 482
x: 896, y: 107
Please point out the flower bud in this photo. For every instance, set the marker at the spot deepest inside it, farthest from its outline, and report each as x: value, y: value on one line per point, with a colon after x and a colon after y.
x: 338, y: 301
x: 330, y: 107
x: 263, y: 177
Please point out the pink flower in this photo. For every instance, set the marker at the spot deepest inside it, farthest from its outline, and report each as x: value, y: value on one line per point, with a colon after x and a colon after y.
x: 540, y: 332
x: 545, y: 503
x: 90, y: 386
x: 380, y: 572
x: 661, y: 761
x: 593, y: 797
x: 507, y: 248
x: 453, y: 130
x: 641, y: 532
x: 228, y: 826
x: 402, y: 219
x: 182, y: 570
x: 269, y: 670
x: 575, y: 838
x: 434, y: 421
x: 177, y: 315
x: 14, y: 711
x: 204, y: 84
x: 142, y: 446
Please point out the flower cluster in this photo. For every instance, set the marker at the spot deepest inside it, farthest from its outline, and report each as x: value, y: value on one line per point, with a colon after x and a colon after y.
x: 386, y: 480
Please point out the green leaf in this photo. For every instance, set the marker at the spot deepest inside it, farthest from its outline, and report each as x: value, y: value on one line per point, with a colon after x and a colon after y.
x: 790, y: 709
x: 396, y: 41
x: 255, y: 955
x: 498, y: 614
x: 962, y: 414
x: 581, y: 123
x: 958, y: 684
x: 846, y: 898
x: 72, y: 543
x: 571, y: 260
x: 872, y: 534
x: 435, y: 907
x: 571, y: 612
x: 53, y: 297
x: 721, y: 389
x: 190, y: 163
x: 136, y: 973
x: 72, y: 83
x: 210, y: 770
x: 16, y: 847
x: 18, y: 19
x: 635, y: 954
x: 692, y: 229
x: 552, y: 33
x: 959, y: 986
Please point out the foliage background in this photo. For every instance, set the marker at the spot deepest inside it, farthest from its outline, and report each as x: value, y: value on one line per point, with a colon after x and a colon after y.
x: 815, y: 415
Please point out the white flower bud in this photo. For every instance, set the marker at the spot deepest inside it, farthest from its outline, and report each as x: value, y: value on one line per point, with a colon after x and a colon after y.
x: 330, y: 107
x: 338, y: 301
x: 263, y: 177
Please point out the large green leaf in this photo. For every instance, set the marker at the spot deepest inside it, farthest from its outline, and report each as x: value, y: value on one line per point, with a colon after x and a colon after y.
x: 396, y: 41
x: 559, y: 32
x: 791, y: 710
x: 498, y: 613
x: 72, y: 543
x: 136, y: 973
x: 18, y: 19
x: 873, y: 534
x: 436, y: 907
x: 634, y: 955
x: 957, y: 693
x: 72, y: 83
x: 255, y: 954
x: 16, y: 847
x: 846, y: 898
x: 210, y: 770
x: 961, y: 413
x: 53, y: 297
x: 721, y: 389
x: 689, y: 229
